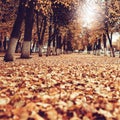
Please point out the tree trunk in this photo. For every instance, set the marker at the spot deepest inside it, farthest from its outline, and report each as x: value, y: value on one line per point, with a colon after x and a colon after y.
x: 98, y: 46
x: 49, y: 41
x: 43, y: 30
x: 52, y: 35
x: 26, y: 50
x: 95, y: 48
x: 18, y: 46
x: 28, y: 30
x: 48, y: 51
x: 9, y: 55
x: 89, y: 48
x: 69, y: 47
x: 64, y: 44
x: 39, y: 29
x: 54, y: 46
x: 105, y: 51
x: 40, y: 50
x: 110, y: 42
x: 58, y: 44
x: 105, y: 45
x: 42, y: 35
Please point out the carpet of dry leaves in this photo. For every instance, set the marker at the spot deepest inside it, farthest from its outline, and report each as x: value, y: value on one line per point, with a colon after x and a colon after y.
x: 65, y: 87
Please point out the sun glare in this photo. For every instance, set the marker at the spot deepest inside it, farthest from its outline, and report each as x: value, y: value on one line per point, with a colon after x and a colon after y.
x: 88, y: 13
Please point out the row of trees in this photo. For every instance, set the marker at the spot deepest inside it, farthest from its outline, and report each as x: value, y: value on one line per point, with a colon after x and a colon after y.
x: 56, y: 13
x: 107, y: 22
x: 112, y: 20
x: 56, y: 19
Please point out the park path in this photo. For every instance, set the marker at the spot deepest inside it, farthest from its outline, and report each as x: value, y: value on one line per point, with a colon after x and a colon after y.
x: 66, y: 87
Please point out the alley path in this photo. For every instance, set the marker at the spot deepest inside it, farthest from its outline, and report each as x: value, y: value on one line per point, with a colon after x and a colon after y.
x: 65, y: 87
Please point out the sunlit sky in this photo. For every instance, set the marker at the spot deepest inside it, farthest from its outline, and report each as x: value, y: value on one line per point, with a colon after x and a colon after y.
x: 91, y: 16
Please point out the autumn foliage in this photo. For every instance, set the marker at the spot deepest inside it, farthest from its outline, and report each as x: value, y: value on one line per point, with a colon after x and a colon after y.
x: 66, y: 87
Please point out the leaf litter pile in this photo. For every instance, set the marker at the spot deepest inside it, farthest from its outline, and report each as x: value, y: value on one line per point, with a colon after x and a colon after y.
x: 65, y: 87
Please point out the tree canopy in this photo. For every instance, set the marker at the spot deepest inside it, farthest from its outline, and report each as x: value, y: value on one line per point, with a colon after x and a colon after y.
x: 76, y: 15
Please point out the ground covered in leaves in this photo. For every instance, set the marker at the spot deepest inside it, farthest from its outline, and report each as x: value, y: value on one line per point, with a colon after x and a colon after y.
x: 65, y: 87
